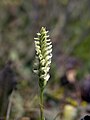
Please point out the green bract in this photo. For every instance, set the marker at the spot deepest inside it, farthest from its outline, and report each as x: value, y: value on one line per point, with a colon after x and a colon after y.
x: 42, y: 63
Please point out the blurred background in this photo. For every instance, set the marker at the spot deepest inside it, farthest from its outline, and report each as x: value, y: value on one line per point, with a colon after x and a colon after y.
x: 68, y: 22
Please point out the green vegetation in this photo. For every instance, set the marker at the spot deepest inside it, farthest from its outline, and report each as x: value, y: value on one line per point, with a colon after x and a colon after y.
x: 69, y: 24
x: 42, y: 63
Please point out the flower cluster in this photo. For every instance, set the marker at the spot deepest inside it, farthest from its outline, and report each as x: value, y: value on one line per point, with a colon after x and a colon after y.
x: 42, y: 63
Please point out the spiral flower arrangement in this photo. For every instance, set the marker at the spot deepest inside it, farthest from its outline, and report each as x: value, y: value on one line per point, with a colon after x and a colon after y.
x: 43, y: 47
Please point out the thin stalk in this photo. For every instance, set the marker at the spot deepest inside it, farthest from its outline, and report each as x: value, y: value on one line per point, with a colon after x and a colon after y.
x: 9, y: 106
x: 41, y: 106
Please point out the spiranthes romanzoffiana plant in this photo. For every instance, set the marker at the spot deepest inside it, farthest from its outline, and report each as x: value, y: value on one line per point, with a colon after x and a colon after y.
x: 42, y: 63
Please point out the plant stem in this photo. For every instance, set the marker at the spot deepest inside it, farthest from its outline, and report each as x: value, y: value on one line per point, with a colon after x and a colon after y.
x: 9, y: 106
x: 41, y: 105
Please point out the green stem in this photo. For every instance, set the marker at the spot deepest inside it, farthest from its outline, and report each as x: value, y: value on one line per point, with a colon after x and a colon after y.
x: 41, y: 105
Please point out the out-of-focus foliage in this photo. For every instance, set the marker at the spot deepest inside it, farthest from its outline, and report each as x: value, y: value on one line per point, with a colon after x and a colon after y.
x: 17, y: 109
x: 69, y: 24
x: 68, y: 115
x: 69, y: 31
